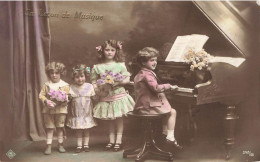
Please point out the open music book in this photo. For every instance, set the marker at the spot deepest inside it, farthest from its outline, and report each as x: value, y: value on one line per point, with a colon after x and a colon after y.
x: 183, y: 44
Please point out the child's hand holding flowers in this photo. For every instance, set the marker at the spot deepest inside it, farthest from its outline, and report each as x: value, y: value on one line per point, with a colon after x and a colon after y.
x: 57, y: 97
x: 50, y: 103
x: 108, y: 80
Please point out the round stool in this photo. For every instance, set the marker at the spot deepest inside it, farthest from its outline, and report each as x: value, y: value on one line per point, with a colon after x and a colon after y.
x: 149, y: 148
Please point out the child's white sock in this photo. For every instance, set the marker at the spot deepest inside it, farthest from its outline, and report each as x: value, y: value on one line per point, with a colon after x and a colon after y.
x: 164, y: 130
x: 86, y: 140
x: 170, y: 135
x: 49, y: 141
x: 111, y: 137
x: 119, y: 138
x: 60, y: 135
x: 60, y: 139
x: 79, y: 142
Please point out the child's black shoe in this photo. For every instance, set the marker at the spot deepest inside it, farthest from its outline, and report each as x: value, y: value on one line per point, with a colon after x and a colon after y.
x: 109, y: 146
x: 117, y: 147
x: 78, y: 149
x: 175, y: 144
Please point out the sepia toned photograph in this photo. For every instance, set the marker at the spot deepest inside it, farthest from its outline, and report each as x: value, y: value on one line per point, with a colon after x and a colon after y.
x: 121, y: 81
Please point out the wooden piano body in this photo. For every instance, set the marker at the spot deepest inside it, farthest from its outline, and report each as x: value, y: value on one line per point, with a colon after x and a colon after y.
x: 222, y: 83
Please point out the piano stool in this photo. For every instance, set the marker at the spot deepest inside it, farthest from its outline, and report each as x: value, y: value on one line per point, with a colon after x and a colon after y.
x: 149, y: 147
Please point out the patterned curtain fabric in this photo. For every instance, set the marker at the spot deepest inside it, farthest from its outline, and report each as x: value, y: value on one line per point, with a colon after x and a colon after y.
x: 25, y: 46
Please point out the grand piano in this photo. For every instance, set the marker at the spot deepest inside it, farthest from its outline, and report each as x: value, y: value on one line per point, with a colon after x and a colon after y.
x: 222, y: 83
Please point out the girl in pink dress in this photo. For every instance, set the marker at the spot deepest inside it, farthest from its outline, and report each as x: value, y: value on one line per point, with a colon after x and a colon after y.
x: 80, y: 111
x: 150, y: 98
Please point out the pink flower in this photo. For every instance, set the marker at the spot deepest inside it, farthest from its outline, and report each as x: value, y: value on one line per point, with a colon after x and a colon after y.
x: 99, y: 48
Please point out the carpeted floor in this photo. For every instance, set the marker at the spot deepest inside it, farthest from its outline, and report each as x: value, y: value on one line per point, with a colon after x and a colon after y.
x: 201, y: 150
x: 207, y: 145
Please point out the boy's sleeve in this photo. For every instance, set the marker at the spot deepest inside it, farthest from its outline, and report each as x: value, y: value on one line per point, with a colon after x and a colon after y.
x: 154, y: 86
x: 43, y: 93
x: 66, y: 89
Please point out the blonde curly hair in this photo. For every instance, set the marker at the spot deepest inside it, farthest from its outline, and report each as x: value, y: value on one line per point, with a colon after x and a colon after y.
x: 52, y: 66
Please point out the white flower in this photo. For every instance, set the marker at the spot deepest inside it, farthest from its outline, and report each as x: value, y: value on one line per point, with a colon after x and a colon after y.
x: 192, y: 68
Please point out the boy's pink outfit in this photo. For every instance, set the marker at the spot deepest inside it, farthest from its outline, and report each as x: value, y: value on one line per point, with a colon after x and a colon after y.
x: 150, y: 98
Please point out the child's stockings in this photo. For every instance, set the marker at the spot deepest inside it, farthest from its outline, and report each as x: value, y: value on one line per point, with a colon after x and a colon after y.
x: 171, y: 125
x: 111, y: 132
x: 79, y: 139
x: 60, y: 139
x: 49, y: 141
x: 119, y: 133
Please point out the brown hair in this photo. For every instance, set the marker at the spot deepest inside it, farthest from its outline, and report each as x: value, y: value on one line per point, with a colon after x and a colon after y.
x: 145, y: 54
x: 119, y: 56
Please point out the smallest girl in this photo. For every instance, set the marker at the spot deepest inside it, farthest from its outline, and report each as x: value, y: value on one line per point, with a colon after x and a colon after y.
x: 80, y: 111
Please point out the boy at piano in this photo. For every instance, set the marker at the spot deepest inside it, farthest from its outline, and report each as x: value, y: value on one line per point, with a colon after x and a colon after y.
x: 150, y: 98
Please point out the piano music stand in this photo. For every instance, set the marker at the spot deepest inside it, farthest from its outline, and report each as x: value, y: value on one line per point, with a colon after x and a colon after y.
x: 149, y: 147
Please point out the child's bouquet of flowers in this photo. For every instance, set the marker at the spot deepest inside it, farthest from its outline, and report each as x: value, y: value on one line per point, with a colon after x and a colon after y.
x: 58, y: 97
x: 107, y: 80
x: 197, y: 59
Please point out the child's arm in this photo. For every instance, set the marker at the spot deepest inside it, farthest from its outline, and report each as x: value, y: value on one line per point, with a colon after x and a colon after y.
x: 93, y: 78
x: 44, y: 99
x: 123, y: 82
x: 126, y: 75
x: 43, y: 93
x: 154, y: 86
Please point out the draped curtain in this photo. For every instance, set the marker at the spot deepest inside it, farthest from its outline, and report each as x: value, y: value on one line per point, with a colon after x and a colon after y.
x: 25, y: 48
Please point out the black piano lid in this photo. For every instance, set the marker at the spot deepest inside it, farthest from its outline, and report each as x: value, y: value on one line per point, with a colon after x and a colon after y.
x: 221, y: 14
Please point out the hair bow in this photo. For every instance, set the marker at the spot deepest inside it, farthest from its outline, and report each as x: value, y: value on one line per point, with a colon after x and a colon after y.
x: 87, y: 69
x: 119, y: 44
x: 99, y: 48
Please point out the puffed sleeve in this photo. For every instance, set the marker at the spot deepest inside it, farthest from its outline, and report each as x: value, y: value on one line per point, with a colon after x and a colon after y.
x: 43, y: 93
x: 153, y: 85
x: 94, y: 75
x: 92, y: 91
x: 67, y: 89
x: 124, y: 69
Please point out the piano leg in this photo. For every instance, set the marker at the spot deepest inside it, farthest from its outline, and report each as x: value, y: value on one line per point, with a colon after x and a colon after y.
x: 191, y: 125
x: 229, y: 124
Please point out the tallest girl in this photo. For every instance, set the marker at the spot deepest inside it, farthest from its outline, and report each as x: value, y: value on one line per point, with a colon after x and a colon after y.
x: 114, y: 102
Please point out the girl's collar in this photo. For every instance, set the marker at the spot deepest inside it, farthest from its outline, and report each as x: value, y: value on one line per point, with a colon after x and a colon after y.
x: 61, y: 83
x: 109, y: 62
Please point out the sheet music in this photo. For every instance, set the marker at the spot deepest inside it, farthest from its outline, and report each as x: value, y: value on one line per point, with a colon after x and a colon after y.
x: 183, y: 44
x: 229, y: 60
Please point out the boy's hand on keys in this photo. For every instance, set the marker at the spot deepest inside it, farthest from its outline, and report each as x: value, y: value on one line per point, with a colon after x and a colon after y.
x: 174, y: 87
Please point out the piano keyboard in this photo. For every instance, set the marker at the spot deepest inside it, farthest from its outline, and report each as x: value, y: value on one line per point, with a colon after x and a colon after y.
x: 185, y: 90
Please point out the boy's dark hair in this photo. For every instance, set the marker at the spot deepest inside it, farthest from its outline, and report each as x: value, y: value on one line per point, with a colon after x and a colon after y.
x: 52, y: 66
x: 145, y: 54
